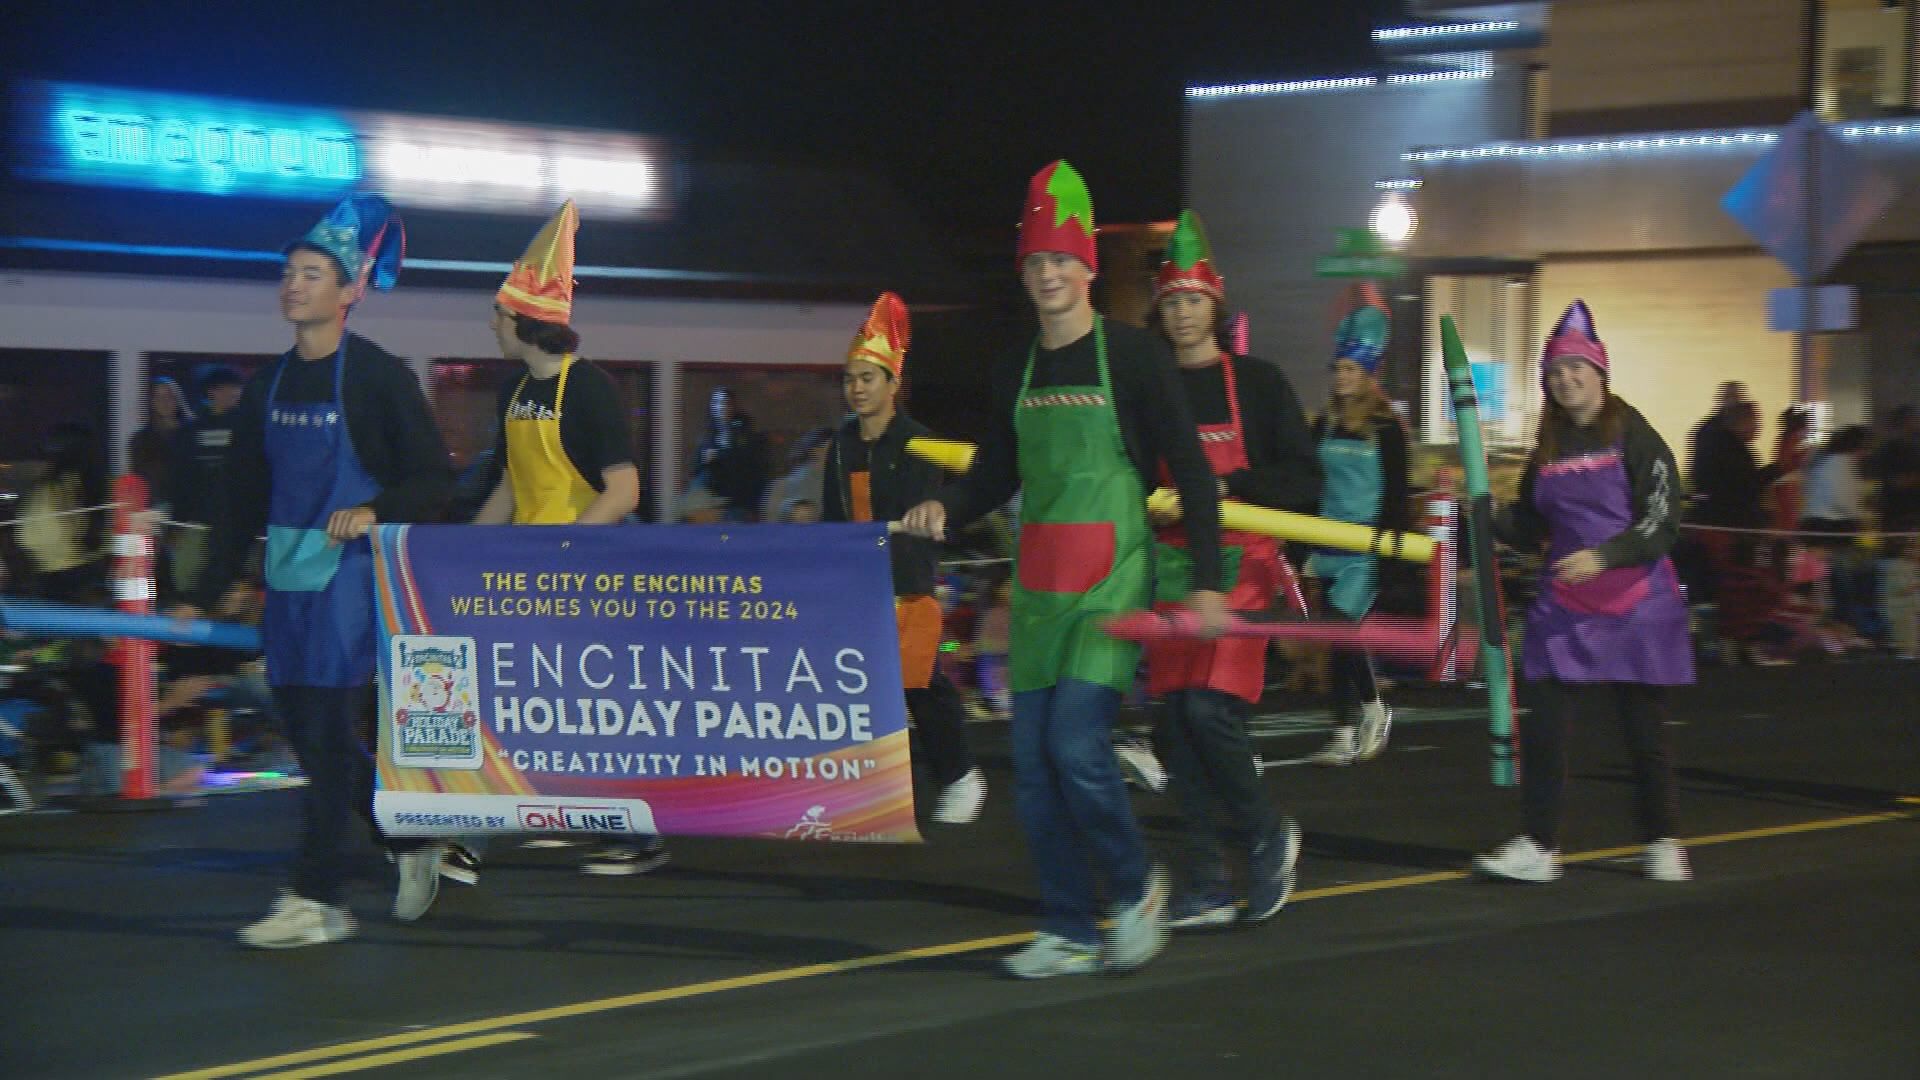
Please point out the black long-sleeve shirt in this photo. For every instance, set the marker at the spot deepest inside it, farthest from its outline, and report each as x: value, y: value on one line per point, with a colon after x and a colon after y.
x: 897, y: 482
x: 1283, y: 467
x: 1155, y: 425
x: 1652, y: 478
x: 392, y: 432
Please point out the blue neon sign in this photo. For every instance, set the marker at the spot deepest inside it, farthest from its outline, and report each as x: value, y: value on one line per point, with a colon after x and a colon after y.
x: 111, y: 137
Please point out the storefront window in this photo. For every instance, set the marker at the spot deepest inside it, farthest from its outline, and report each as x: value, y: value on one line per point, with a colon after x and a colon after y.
x: 190, y: 371
x: 1864, y: 57
x: 783, y: 404
x: 1494, y: 315
x: 40, y: 388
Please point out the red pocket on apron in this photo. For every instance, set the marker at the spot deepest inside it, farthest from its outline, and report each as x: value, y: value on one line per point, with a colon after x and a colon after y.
x: 1065, y: 558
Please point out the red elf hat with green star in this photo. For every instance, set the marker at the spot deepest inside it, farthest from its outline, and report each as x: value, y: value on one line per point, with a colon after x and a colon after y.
x: 1189, y: 265
x: 1058, y: 216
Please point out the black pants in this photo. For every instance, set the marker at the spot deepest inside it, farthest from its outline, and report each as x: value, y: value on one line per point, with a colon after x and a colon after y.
x: 941, y: 718
x: 1543, y: 753
x: 1202, y: 740
x: 1351, y: 671
x: 324, y: 728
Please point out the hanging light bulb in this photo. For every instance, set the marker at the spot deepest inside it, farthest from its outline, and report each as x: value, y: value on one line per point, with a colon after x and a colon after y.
x: 1393, y: 220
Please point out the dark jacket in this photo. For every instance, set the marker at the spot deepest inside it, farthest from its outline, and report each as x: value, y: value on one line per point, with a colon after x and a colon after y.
x: 1728, y: 481
x: 393, y: 434
x: 737, y: 470
x: 898, y: 481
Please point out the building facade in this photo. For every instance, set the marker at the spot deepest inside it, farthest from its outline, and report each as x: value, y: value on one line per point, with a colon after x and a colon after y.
x: 1583, y: 148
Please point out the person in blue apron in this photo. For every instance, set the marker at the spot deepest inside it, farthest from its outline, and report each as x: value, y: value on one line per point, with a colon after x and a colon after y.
x: 1608, y: 626
x: 329, y: 439
x: 1363, y: 463
x: 565, y: 457
x: 1081, y: 417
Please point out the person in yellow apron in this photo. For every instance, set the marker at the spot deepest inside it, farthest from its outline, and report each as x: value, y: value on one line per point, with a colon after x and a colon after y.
x: 871, y: 477
x: 1080, y: 418
x: 565, y: 446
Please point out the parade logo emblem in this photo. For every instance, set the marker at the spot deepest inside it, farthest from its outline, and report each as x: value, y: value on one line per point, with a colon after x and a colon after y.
x: 435, y: 696
x: 814, y: 825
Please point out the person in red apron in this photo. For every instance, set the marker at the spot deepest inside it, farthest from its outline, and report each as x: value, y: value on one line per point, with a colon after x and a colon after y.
x: 1363, y: 465
x: 1255, y: 437
x: 1079, y: 419
x: 565, y: 454
x: 1609, y: 624
x: 329, y: 439
x: 871, y: 477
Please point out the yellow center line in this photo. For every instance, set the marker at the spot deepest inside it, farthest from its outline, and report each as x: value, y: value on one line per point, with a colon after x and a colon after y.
x: 860, y: 963
x: 395, y: 1057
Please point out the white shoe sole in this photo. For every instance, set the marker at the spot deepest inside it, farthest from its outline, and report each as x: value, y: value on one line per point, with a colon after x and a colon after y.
x: 1487, y: 870
x: 624, y: 868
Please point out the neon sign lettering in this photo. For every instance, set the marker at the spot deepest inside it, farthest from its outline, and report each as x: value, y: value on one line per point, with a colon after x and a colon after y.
x: 105, y: 137
x: 173, y: 142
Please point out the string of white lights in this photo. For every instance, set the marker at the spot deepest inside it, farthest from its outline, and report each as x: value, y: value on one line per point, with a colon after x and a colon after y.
x: 1649, y: 143
x: 1338, y: 84
x: 1448, y: 30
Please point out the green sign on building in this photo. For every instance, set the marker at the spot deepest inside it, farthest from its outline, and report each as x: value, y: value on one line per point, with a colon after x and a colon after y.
x: 1358, y: 253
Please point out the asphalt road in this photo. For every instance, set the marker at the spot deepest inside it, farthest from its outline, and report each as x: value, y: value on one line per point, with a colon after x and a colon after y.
x: 1795, y: 954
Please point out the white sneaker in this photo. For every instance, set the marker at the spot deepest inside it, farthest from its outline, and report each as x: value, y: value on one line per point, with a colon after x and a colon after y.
x: 296, y: 921
x: 1136, y: 933
x: 1666, y: 860
x: 1139, y: 766
x: 1051, y: 956
x: 1376, y: 720
x: 419, y: 881
x: 960, y: 803
x: 1342, y: 749
x: 1520, y: 859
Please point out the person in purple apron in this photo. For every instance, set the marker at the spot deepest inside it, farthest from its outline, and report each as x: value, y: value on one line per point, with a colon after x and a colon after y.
x: 328, y: 440
x: 1609, y: 625
x: 1080, y: 418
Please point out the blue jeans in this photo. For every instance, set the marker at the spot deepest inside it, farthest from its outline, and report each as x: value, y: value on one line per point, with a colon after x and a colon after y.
x: 1073, y: 806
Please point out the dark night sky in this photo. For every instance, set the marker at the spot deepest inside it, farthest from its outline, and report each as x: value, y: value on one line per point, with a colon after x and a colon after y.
x: 957, y: 102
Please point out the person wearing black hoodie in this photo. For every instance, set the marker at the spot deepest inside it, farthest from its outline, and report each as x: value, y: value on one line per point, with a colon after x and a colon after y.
x: 871, y: 477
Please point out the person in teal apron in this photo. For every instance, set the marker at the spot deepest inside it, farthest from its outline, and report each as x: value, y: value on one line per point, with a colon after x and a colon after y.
x: 1363, y: 462
x: 329, y: 439
x: 1081, y: 416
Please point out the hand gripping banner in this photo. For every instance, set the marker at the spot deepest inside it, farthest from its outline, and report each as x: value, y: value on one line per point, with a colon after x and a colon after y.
x: 678, y: 680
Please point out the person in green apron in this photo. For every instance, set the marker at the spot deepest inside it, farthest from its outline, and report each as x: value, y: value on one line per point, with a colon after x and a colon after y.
x: 565, y: 455
x: 1081, y: 416
x: 329, y: 439
x: 1363, y: 461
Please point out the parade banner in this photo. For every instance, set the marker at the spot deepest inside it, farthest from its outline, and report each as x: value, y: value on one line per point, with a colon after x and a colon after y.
x: 671, y: 680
